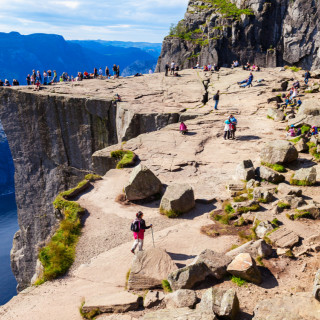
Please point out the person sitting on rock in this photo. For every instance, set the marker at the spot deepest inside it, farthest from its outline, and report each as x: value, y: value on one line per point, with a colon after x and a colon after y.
x: 183, y: 128
x: 296, y: 84
x: 314, y: 130
x: 7, y: 83
x: 292, y: 131
x: 138, y: 228
x: 247, y: 82
x: 205, y: 68
x: 299, y: 103
x: 1, y: 83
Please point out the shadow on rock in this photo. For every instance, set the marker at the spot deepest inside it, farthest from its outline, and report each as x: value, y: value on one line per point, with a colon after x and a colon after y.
x: 248, y: 138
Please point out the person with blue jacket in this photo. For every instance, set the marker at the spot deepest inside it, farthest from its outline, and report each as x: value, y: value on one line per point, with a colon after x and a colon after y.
x: 247, y: 82
x: 307, y: 76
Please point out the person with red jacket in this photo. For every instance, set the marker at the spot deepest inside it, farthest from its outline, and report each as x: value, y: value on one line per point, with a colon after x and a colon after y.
x: 138, y: 227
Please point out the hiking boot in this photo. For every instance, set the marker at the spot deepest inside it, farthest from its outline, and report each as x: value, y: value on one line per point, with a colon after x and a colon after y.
x: 132, y: 251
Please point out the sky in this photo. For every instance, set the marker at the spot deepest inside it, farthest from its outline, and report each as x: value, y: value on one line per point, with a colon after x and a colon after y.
x: 123, y: 20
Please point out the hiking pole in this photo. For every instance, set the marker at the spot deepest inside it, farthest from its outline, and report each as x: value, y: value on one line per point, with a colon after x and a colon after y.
x: 152, y: 236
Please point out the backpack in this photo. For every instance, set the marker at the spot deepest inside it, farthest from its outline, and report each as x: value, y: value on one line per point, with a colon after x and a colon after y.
x: 231, y: 126
x: 135, y: 226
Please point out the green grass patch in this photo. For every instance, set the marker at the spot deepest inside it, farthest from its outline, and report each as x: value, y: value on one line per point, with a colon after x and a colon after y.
x: 305, y: 129
x: 275, y: 222
x: 170, y: 213
x: 275, y: 167
x: 92, y: 177
x: 227, y: 208
x: 234, y: 246
x: 223, y: 218
x: 289, y: 254
x: 253, y: 207
x: 259, y: 261
x: 301, y: 183
x: 293, y: 68
x: 245, y: 237
x: 240, y: 222
x: 302, y: 214
x: 58, y: 255
x: 166, y: 286
x: 240, y: 199
x: 262, y: 200
x: 283, y: 205
x: 127, y: 279
x: 238, y: 281
x: 296, y: 139
x: 125, y: 157
x: 270, y: 117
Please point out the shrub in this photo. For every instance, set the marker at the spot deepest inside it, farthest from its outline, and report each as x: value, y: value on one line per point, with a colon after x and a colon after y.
x: 253, y: 207
x: 125, y: 157
x: 238, y: 281
x: 171, y: 213
x: 275, y: 222
x: 92, y: 177
x: 283, y: 205
x: 240, y: 199
x: 166, y: 286
x: 275, y: 167
x: 223, y: 218
x: 58, y: 255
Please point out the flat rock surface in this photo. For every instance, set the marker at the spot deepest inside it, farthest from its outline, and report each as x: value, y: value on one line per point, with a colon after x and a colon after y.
x: 204, y: 160
x: 284, y: 238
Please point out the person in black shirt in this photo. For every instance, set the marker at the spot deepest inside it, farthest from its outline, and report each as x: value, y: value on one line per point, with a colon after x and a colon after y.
x: 28, y: 80
x: 216, y: 98
x: 167, y: 67
x: 1, y: 83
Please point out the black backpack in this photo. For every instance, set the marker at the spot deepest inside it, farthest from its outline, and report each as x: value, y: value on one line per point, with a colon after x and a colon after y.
x: 135, y: 226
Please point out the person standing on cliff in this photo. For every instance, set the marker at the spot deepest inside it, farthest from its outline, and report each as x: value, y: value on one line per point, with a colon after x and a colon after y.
x: 138, y: 228
x: 107, y: 72
x: 172, y: 67
x: 28, y: 80
x: 307, y: 76
x: 118, y: 71
x: 216, y: 98
x: 166, y: 67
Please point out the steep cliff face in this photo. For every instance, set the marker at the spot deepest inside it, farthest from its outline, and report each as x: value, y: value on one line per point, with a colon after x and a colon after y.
x: 266, y: 32
x: 51, y: 140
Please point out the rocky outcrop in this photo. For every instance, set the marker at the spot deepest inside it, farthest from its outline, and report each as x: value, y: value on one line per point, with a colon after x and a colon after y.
x: 279, y: 151
x: 181, y: 299
x: 269, y: 34
x: 149, y: 268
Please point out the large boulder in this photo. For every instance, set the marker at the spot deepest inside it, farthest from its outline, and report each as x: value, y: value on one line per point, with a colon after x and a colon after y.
x: 293, y: 201
x: 262, y: 194
x: 245, y: 170
x: 223, y: 303
x: 316, y: 286
x: 270, y: 175
x: 310, y: 107
x: 149, y: 268
x: 189, y: 276
x: 142, y: 184
x: 279, y: 151
x: 116, y: 303
x: 263, y: 228
x: 286, y: 189
x: 256, y: 249
x: 311, y: 208
x: 275, y: 114
x: 178, y: 199
x: 305, y: 176
x: 301, y: 306
x: 302, y: 146
x: 180, y: 299
x: 216, y: 262
x: 179, y: 314
x: 244, y: 266
x: 284, y: 238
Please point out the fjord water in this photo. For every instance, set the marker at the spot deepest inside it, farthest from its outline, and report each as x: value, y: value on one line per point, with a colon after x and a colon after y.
x: 8, y: 219
x: 8, y: 227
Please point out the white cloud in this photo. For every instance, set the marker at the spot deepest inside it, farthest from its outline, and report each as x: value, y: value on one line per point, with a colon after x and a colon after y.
x: 135, y: 20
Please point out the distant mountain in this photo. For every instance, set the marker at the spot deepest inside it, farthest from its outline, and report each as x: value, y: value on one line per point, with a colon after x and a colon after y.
x: 19, y: 54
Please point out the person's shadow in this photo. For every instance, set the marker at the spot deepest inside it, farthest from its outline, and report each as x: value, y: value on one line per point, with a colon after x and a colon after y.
x: 248, y: 138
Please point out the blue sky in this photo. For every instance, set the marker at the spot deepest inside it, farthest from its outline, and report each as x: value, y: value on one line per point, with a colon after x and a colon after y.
x: 124, y: 20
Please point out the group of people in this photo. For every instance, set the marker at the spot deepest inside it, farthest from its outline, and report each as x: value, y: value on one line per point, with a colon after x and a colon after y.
x: 207, y: 67
x: 294, y: 131
x: 6, y: 83
x: 173, y: 68
x: 230, y: 127
x: 250, y: 67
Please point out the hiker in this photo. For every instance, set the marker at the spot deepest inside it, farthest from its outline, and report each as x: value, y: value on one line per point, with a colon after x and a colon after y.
x: 172, y: 67
x: 183, y: 128
x: 291, y: 131
x: 37, y: 85
x: 95, y: 72
x: 45, y: 78
x: 296, y: 84
x: 226, y: 129
x: 307, y: 76
x: 15, y: 82
x: 49, y: 76
x: 118, y: 71
x: 1, y: 83
x: 107, y: 72
x: 100, y: 73
x: 166, y: 68
x: 55, y: 76
x: 216, y: 98
x: 205, y: 68
x: 7, y: 83
x: 299, y: 102
x: 150, y: 71
x: 38, y: 77
x: 138, y: 227
x: 28, y: 80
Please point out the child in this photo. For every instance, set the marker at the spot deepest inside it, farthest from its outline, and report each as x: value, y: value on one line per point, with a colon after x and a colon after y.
x: 183, y: 128
x: 232, y: 128
x: 138, y: 228
x: 299, y: 102
x: 292, y: 131
x: 227, y: 129
x: 314, y: 130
